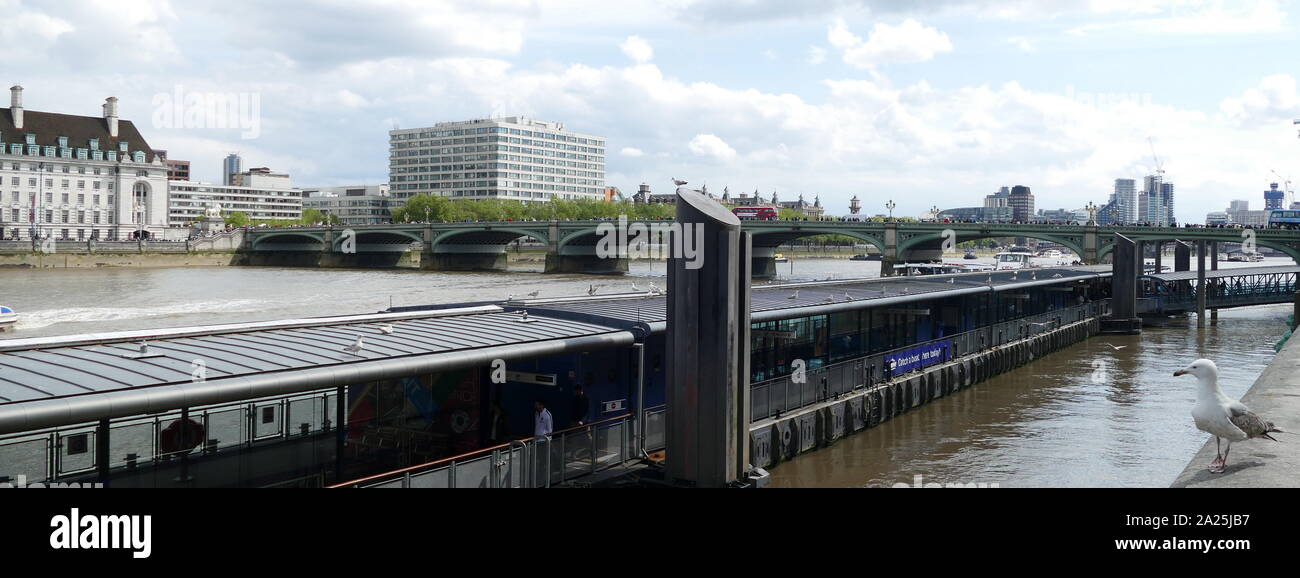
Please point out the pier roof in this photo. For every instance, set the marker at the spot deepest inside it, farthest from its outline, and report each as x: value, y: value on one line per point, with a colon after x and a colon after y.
x: 1230, y: 272
x: 113, y: 375
x: 793, y: 300
x: 52, y: 381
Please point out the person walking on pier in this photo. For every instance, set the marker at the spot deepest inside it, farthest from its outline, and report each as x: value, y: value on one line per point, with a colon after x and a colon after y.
x: 543, y: 424
x: 581, y: 405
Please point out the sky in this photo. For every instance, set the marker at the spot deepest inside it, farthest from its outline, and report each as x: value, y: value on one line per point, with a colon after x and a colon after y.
x: 923, y: 102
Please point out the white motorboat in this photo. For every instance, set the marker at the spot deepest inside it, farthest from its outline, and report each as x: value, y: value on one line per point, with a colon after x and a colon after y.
x: 7, y: 318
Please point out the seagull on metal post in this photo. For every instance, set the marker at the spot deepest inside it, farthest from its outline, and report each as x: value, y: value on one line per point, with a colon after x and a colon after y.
x: 1221, y: 417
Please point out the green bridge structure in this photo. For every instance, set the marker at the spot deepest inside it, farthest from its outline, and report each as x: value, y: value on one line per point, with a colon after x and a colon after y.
x: 571, y: 246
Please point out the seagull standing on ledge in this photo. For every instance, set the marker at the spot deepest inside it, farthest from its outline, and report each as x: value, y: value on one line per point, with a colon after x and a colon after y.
x: 1221, y: 417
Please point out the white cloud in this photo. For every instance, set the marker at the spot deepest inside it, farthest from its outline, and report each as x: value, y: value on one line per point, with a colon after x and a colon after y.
x: 1275, y: 100
x: 1024, y: 44
x: 709, y: 145
x: 638, y: 49
x: 1190, y: 18
x: 632, y: 152
x: 910, y: 41
x: 816, y: 55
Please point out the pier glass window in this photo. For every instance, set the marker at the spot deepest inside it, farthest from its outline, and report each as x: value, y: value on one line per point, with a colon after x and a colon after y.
x: 846, y: 336
x: 776, y: 344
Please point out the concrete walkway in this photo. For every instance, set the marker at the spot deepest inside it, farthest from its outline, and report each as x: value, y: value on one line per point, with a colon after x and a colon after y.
x: 1260, y: 463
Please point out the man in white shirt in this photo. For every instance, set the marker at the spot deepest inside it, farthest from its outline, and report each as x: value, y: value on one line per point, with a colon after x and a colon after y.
x: 543, y: 424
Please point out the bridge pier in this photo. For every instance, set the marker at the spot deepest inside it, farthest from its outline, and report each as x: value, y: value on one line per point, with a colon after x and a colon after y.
x: 763, y: 263
x: 590, y: 264
x: 463, y: 261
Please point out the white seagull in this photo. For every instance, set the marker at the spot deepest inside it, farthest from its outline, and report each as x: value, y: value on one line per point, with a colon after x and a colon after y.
x: 356, y: 346
x: 1117, y: 347
x: 1221, y: 417
x: 679, y: 182
x: 386, y: 329
x: 795, y: 296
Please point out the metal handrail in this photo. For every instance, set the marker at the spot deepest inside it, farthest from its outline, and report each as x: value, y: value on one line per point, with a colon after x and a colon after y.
x: 476, y: 454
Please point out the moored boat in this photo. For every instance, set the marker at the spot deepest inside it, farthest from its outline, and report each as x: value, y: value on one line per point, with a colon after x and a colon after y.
x: 8, y: 318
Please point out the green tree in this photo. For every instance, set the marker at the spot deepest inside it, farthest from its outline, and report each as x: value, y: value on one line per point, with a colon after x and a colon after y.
x: 237, y: 219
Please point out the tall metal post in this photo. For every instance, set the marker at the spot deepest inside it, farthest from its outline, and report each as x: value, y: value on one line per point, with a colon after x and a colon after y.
x: 102, y: 456
x: 1214, y: 266
x: 184, y: 476
x: 340, y: 430
x: 640, y: 398
x: 1200, y: 283
x: 1182, y: 256
x: 1127, y: 257
x: 707, y: 392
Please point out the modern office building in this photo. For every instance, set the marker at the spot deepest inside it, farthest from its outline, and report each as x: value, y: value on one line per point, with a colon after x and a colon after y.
x: 1167, y: 192
x: 78, y: 177
x: 1110, y: 213
x: 1002, y: 198
x: 1156, y: 204
x: 177, y: 170
x: 1021, y: 201
x: 1125, y: 199
x: 189, y: 201
x: 1239, y: 213
x: 359, y: 205
x: 261, y: 178
x: 1274, y: 198
x: 232, y: 166
x: 511, y: 158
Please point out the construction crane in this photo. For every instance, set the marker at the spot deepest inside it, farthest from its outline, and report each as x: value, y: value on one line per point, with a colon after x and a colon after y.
x: 1160, y: 169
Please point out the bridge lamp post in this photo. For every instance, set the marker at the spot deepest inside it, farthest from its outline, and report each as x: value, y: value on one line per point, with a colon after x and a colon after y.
x: 891, y: 206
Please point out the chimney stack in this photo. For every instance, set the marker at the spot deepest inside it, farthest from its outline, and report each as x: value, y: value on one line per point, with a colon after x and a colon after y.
x: 110, y: 114
x: 16, y: 106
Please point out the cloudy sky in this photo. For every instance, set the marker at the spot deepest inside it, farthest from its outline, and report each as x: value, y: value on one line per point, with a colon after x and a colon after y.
x: 927, y: 102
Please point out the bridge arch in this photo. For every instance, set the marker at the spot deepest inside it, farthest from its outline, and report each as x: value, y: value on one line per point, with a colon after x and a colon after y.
x: 1071, y: 240
x: 493, y: 238
x: 397, y: 240
x: 777, y: 238
x: 288, y: 241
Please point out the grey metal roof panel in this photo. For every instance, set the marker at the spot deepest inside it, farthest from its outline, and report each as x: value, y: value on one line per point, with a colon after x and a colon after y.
x: 1233, y: 272
x: 796, y: 299
x: 87, y: 366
